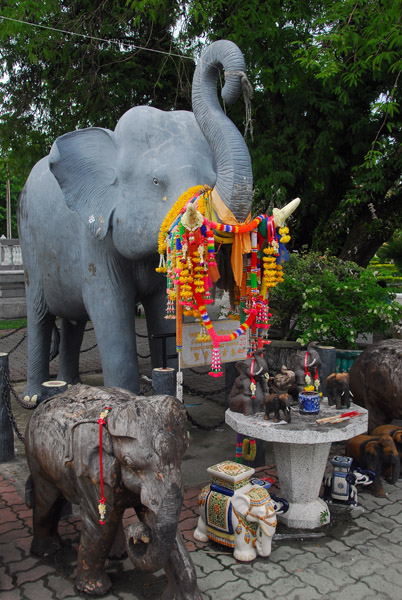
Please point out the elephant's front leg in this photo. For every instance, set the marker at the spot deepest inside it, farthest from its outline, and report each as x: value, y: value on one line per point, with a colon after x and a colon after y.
x: 155, y: 311
x: 95, y: 544
x: 113, y: 318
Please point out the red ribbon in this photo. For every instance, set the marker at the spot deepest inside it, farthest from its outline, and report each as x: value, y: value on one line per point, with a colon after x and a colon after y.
x: 102, y: 501
x: 252, y: 377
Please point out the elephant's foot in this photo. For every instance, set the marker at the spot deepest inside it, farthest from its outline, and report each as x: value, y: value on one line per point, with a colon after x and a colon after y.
x: 32, y: 394
x: 94, y: 586
x: 200, y: 536
x: 46, y: 546
x: 245, y: 555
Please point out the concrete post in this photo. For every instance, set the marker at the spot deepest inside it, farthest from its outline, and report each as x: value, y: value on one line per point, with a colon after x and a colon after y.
x: 328, y: 365
x: 6, y: 429
x: 164, y: 381
x: 51, y: 388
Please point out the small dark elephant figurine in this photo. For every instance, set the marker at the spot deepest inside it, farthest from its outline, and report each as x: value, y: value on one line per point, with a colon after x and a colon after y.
x: 305, y: 364
x: 375, y: 453
x: 338, y: 391
x: 251, y: 387
x: 276, y: 403
x: 376, y: 382
x: 143, y: 440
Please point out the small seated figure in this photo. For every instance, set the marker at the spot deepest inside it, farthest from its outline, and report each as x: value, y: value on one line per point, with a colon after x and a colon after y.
x: 251, y: 387
x: 282, y: 382
x: 276, y: 403
x: 340, y: 485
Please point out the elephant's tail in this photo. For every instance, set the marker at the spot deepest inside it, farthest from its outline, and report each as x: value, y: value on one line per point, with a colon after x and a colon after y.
x: 55, y: 343
x: 30, y: 492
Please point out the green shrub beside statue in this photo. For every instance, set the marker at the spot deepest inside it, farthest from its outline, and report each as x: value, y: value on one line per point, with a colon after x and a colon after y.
x: 325, y: 298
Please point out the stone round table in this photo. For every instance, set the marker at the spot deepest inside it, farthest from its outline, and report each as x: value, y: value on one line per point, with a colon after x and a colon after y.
x: 301, y: 450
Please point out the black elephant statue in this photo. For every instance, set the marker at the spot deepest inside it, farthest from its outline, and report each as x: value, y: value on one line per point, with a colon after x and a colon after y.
x: 139, y: 457
x: 250, y: 388
x: 375, y: 453
x: 376, y: 382
x: 338, y: 392
x: 306, y: 364
x: 278, y: 403
x: 395, y: 431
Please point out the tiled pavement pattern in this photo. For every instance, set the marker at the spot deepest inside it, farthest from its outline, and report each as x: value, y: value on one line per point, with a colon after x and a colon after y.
x: 357, y: 556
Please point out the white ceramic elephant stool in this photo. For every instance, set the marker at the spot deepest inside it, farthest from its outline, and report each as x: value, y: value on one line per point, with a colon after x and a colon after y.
x: 236, y: 512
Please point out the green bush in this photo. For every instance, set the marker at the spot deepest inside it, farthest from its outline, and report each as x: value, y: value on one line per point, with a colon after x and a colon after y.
x: 329, y: 300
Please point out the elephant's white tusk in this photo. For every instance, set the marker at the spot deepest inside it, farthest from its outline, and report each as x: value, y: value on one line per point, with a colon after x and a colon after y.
x: 268, y: 530
x: 258, y: 372
x: 281, y: 214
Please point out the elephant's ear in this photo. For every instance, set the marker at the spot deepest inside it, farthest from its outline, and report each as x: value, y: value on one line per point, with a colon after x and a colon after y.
x: 86, y: 455
x: 241, y: 504
x: 84, y: 164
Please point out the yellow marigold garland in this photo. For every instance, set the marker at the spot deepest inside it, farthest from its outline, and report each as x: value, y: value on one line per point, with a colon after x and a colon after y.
x: 174, y: 213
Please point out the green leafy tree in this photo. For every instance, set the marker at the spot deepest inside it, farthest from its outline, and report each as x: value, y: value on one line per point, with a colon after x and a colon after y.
x: 15, y: 187
x: 392, y: 251
x: 54, y: 81
x: 326, y: 110
x: 330, y: 300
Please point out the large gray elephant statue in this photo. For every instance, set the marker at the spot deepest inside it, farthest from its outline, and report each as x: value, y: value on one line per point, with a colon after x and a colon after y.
x: 90, y: 213
x: 143, y: 440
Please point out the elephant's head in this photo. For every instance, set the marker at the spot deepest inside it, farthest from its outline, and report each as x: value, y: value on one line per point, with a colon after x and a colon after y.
x: 124, y: 182
x: 255, y: 366
x: 259, y: 509
x: 149, y: 438
x: 391, y: 463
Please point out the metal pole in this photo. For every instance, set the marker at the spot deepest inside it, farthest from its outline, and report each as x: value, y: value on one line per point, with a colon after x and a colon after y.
x: 8, y: 204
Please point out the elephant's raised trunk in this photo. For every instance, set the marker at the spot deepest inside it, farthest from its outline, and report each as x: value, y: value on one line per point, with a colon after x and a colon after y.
x: 150, y: 542
x: 234, y: 174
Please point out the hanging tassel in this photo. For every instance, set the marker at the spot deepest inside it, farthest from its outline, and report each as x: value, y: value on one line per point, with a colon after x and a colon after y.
x: 216, y: 362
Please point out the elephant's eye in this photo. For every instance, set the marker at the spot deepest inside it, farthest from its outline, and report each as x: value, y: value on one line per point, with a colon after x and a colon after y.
x: 156, y: 182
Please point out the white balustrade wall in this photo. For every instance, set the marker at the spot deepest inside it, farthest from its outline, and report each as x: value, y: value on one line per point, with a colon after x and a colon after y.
x: 10, y: 254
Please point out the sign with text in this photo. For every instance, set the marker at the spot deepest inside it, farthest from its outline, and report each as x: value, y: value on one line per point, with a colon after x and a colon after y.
x: 197, y: 354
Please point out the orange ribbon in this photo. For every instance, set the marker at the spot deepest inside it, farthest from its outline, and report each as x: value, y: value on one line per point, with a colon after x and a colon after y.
x: 241, y: 241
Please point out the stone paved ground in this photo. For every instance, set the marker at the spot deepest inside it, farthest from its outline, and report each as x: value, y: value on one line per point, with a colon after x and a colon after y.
x: 357, y: 556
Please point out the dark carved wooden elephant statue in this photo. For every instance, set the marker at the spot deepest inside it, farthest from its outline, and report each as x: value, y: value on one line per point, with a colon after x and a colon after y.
x: 375, y: 453
x: 306, y: 364
x: 251, y: 387
x: 376, y: 382
x: 338, y: 392
x: 143, y: 440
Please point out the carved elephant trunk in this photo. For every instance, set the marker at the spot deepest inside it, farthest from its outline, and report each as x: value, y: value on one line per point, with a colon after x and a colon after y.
x: 150, y: 542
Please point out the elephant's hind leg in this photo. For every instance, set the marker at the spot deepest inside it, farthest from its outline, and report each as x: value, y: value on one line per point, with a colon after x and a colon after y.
x: 70, y: 346
x: 48, y: 503
x: 40, y: 325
